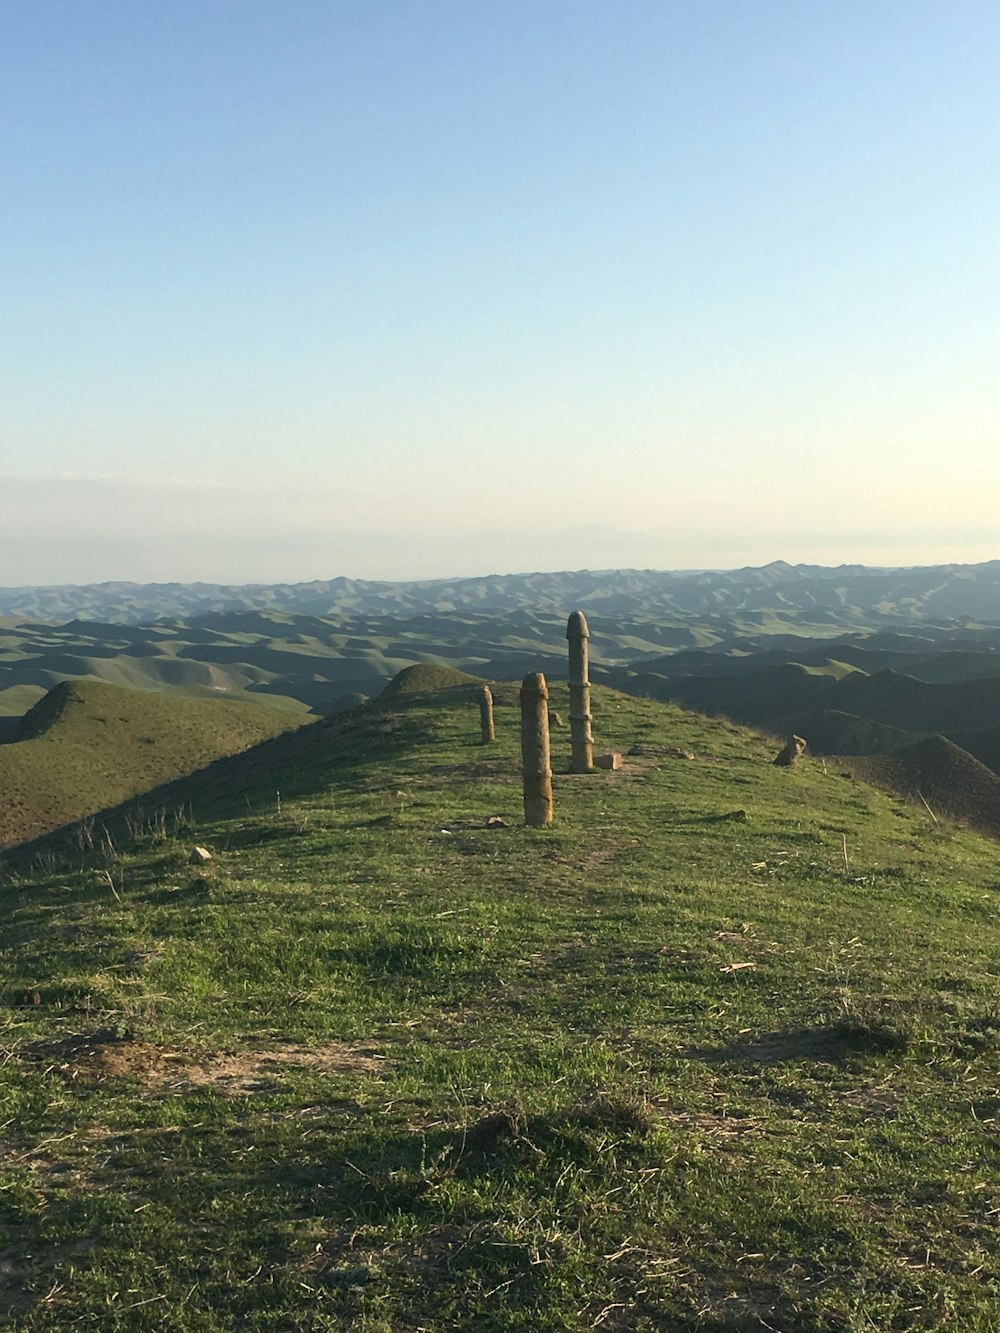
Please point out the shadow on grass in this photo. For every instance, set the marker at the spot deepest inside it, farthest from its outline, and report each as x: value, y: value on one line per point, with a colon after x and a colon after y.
x: 449, y: 1226
x: 379, y: 1177
x: 827, y: 1043
x: 335, y: 752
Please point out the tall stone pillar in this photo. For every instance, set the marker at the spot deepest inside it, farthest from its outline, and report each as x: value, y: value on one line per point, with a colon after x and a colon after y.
x: 536, y: 764
x: 486, y: 714
x: 580, y: 734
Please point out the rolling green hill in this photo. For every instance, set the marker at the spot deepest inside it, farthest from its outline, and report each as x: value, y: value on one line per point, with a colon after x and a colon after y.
x: 88, y: 745
x: 321, y: 664
x: 718, y: 1051
x: 302, y: 662
x: 424, y: 679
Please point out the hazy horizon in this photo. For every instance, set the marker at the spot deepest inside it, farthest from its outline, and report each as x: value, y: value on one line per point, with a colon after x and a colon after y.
x: 111, y: 529
x: 436, y: 289
x: 459, y: 574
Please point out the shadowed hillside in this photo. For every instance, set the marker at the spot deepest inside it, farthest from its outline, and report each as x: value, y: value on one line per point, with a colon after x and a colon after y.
x: 87, y: 745
x: 951, y: 781
x: 857, y: 695
x: 835, y: 733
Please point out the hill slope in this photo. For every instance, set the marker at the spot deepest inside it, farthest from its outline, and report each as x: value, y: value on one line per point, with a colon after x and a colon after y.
x: 88, y: 745
x: 950, y: 780
x: 389, y: 1063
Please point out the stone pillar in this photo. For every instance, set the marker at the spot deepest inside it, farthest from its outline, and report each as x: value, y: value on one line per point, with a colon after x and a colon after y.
x: 536, y: 765
x: 581, y: 736
x: 486, y: 714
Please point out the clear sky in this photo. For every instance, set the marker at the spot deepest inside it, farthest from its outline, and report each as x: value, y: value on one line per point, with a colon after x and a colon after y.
x: 407, y: 288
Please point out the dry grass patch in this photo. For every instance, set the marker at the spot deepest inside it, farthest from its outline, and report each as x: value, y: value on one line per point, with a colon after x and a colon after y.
x: 246, y: 1072
x: 103, y: 1055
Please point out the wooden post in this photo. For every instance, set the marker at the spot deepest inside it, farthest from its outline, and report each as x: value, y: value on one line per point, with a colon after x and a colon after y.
x: 536, y: 765
x: 486, y: 714
x: 581, y: 736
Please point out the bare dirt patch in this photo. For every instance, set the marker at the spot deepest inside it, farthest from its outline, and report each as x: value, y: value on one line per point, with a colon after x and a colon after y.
x: 104, y: 1055
x: 341, y: 1261
x: 91, y: 1056
x: 706, y: 1124
x: 246, y: 1072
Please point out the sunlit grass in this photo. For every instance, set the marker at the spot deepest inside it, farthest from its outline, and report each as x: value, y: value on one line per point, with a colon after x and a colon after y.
x: 382, y: 1066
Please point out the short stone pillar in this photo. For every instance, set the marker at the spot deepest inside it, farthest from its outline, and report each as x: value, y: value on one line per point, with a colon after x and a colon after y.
x: 580, y: 734
x: 486, y: 714
x: 536, y: 765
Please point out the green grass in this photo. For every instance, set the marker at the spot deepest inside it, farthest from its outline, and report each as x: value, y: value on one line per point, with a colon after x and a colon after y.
x: 427, y: 677
x: 88, y: 745
x: 17, y: 699
x: 381, y: 1066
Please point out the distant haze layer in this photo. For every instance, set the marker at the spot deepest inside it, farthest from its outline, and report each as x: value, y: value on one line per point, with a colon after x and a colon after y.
x: 76, y: 529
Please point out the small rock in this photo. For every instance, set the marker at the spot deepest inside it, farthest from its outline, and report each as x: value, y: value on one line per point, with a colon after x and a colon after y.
x: 791, y: 752
x: 199, y: 856
x: 612, y: 761
x: 555, y: 719
x: 140, y: 957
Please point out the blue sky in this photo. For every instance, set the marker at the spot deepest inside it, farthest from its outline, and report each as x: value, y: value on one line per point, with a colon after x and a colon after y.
x: 415, y: 289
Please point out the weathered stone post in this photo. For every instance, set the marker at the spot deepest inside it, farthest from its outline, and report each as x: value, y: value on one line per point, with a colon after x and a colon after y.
x: 536, y: 767
x: 581, y: 736
x: 791, y: 753
x: 486, y: 714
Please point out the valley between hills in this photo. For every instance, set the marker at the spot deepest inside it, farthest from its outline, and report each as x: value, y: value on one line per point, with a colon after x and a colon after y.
x: 717, y: 1051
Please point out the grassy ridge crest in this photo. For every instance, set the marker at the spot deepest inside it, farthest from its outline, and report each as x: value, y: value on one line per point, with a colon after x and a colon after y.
x: 718, y: 1051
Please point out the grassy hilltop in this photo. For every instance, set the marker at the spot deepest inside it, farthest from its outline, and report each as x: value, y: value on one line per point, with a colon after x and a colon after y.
x: 718, y: 1051
x: 87, y: 745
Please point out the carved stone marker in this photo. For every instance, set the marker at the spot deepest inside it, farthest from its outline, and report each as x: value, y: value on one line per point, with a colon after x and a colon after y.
x: 486, y: 714
x: 580, y: 734
x: 791, y: 753
x: 536, y: 766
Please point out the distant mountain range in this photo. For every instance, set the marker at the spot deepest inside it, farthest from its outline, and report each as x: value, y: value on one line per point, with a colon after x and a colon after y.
x: 858, y: 661
x: 767, y: 598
